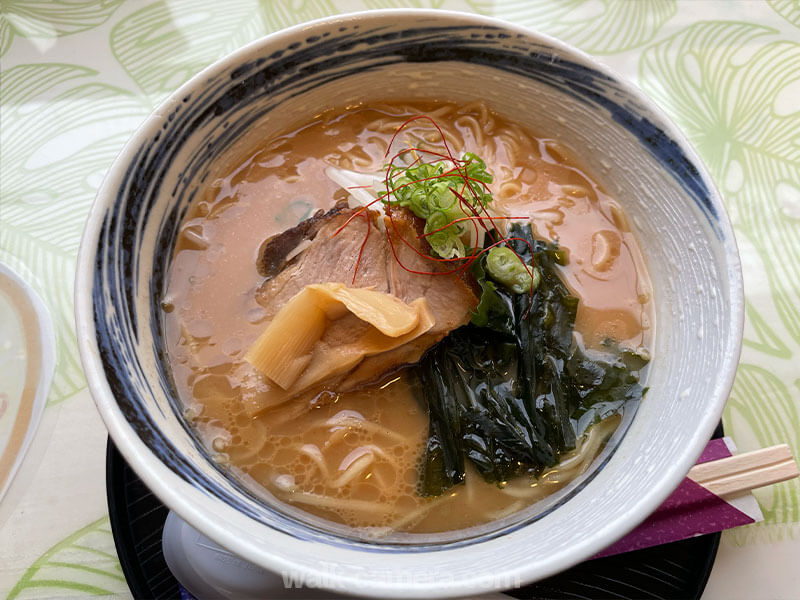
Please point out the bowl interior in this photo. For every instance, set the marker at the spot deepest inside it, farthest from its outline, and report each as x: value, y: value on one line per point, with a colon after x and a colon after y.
x: 553, y: 91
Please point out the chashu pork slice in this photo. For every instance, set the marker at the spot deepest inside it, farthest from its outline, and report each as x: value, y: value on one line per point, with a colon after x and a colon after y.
x: 328, y: 256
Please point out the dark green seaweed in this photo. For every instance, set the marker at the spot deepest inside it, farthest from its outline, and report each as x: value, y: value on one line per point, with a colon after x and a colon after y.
x: 512, y: 391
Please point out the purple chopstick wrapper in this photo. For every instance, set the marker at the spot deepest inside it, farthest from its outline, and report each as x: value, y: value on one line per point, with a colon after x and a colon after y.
x: 691, y: 510
x: 184, y: 594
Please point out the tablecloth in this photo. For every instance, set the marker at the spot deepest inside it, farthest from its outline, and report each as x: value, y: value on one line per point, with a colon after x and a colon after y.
x: 78, y: 76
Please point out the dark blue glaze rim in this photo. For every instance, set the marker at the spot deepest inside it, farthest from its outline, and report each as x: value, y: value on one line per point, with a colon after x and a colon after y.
x: 289, y: 73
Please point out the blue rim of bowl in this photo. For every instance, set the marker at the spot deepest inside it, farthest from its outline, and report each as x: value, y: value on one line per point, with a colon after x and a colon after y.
x: 112, y: 236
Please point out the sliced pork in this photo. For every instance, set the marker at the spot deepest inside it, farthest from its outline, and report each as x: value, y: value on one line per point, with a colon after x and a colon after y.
x: 325, y: 249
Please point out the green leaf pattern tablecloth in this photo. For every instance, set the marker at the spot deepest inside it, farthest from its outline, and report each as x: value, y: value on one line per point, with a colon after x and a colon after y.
x: 78, y: 76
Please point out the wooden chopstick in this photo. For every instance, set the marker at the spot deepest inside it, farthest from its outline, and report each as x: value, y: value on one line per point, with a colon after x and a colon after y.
x: 738, y: 474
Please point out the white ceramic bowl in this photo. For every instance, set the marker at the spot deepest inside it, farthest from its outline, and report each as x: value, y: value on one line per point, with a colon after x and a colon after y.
x: 548, y: 87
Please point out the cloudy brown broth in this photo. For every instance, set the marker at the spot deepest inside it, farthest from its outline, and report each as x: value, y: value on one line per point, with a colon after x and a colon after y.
x: 354, y: 457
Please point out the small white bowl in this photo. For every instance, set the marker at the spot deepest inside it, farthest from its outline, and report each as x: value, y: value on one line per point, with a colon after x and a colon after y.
x: 541, y: 83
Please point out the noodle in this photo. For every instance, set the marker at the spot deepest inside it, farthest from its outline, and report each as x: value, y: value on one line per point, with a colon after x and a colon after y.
x: 620, y: 218
x: 339, y: 503
x: 418, y: 514
x: 476, y: 131
x: 354, y: 470
x: 441, y: 111
x: 509, y: 189
x: 315, y: 455
x: 511, y: 143
x: 347, y: 419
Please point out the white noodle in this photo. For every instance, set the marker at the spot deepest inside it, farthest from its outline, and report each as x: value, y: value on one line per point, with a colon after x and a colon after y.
x: 355, y: 469
x: 336, y: 437
x: 527, y: 492
x: 417, y: 514
x: 338, y: 503
x: 567, y: 469
x: 376, y: 450
x: 344, y: 419
x: 315, y: 454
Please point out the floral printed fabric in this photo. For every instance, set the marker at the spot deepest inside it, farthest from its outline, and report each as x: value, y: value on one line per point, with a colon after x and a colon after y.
x: 78, y: 76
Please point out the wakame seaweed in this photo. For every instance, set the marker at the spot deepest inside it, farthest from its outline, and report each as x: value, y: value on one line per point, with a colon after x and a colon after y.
x: 511, y: 392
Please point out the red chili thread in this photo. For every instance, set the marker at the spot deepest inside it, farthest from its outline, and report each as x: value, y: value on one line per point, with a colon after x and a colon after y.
x: 383, y: 196
x: 474, y: 210
x: 462, y: 200
x: 360, y: 211
x: 391, y: 168
x: 467, y: 207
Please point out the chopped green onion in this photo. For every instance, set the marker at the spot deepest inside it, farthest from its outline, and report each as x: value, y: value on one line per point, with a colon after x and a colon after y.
x: 507, y: 268
x: 428, y: 191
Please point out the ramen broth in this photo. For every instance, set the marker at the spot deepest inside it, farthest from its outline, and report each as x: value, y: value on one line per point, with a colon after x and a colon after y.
x: 355, y: 457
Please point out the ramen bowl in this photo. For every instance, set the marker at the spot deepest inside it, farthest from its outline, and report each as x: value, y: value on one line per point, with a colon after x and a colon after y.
x: 536, y: 81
